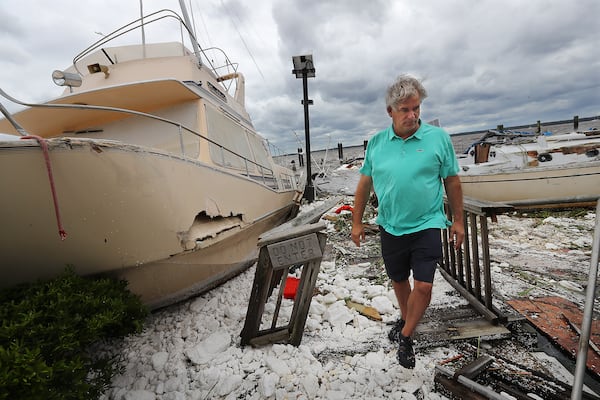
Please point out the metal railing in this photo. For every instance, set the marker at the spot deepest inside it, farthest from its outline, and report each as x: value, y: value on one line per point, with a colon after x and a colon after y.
x: 266, y: 174
x: 586, y: 325
x: 206, y: 56
x: 252, y: 169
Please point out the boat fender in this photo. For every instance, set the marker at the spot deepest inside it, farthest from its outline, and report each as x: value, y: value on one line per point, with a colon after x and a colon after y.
x: 544, y: 157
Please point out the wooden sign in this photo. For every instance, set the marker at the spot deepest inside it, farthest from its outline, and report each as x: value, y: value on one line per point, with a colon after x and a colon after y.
x: 295, y: 251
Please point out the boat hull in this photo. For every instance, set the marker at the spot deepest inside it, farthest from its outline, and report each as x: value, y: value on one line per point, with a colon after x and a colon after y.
x: 170, y: 225
x: 535, y: 184
x: 182, y: 276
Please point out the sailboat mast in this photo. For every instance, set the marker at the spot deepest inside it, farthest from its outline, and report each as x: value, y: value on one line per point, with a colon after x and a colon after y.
x: 186, y: 18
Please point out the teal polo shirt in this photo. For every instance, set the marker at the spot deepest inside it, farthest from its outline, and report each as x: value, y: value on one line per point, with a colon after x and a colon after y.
x: 407, y: 178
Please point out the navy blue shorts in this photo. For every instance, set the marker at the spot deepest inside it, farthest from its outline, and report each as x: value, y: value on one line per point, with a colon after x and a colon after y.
x: 420, y: 252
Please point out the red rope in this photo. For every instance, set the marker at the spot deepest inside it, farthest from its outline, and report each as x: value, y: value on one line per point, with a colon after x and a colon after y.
x: 44, y: 146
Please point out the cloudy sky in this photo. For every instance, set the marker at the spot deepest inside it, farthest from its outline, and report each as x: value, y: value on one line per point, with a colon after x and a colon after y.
x: 483, y: 62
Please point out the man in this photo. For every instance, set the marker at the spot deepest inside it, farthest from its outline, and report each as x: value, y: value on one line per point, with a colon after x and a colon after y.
x: 408, y: 165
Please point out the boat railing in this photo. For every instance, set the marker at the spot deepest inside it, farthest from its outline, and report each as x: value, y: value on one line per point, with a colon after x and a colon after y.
x: 288, y: 181
x: 205, y: 56
x: 265, y: 174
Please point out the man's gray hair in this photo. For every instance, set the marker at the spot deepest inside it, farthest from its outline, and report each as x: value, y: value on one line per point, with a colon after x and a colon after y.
x: 404, y: 87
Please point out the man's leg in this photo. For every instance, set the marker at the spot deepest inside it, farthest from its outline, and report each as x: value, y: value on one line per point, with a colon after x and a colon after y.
x: 413, y: 304
x: 402, y: 291
x: 417, y: 301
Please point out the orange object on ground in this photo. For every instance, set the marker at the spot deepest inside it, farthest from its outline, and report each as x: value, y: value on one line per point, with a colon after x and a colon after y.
x: 291, y: 287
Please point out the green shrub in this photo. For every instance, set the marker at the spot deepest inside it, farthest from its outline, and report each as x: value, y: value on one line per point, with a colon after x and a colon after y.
x: 47, y: 327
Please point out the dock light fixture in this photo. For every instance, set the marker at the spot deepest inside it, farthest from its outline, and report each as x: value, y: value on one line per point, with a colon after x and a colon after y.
x: 304, y: 68
x: 303, y: 65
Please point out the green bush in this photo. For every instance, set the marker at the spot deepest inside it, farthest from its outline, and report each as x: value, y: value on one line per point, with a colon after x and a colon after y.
x: 47, y: 327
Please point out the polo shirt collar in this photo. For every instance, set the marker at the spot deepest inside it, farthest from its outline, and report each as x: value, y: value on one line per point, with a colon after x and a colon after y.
x: 417, y: 135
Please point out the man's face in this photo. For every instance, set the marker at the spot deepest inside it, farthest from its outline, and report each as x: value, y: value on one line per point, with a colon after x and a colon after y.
x: 405, y: 116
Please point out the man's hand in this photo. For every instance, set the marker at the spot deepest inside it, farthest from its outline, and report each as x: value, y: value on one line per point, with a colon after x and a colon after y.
x: 361, y: 196
x: 455, y: 199
x: 457, y: 234
x: 358, y: 234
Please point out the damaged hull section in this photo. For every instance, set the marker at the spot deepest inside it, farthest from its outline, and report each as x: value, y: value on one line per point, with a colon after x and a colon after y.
x: 186, y: 274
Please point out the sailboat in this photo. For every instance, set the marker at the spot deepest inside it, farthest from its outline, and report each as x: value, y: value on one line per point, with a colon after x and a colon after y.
x: 522, y: 168
x: 146, y: 168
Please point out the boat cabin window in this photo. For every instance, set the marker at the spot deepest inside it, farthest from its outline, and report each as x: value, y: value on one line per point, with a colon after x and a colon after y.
x: 231, y: 138
x: 260, y: 150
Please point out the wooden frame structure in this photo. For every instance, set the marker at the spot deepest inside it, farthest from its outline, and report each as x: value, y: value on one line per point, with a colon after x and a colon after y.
x: 300, y: 247
x: 467, y: 270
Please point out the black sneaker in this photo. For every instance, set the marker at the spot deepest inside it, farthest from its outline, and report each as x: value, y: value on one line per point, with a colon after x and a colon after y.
x: 406, y: 354
x: 394, y: 333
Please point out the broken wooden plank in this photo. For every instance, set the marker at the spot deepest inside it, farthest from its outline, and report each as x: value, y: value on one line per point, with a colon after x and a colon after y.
x: 576, y: 329
x: 269, y: 336
x: 473, y: 300
x: 545, y: 314
x: 460, y: 329
x: 367, y: 311
x: 439, y: 327
x: 478, y: 328
x: 301, y: 221
x: 475, y: 367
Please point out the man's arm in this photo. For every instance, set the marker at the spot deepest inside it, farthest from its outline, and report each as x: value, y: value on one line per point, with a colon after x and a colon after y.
x: 455, y: 199
x: 361, y: 196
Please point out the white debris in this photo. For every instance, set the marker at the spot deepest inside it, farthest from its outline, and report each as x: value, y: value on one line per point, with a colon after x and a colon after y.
x: 209, y: 348
x: 571, y: 286
x: 383, y: 305
x: 139, y: 395
x: 338, y: 314
x: 159, y: 360
x: 192, y: 350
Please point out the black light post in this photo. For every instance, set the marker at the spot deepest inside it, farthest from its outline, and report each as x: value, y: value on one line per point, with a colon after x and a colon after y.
x: 304, y: 68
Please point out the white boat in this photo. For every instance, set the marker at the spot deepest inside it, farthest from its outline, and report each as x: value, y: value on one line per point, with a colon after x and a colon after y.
x: 521, y: 168
x: 154, y: 172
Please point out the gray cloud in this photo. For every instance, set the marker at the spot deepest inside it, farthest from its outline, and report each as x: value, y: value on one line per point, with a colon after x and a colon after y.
x: 483, y: 62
